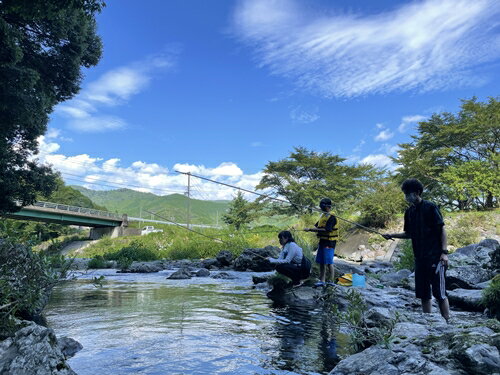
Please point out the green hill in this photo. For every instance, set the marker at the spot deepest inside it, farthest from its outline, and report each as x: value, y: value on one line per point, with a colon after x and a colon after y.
x: 172, y: 207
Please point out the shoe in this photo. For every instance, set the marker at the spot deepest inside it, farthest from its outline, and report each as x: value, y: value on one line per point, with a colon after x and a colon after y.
x: 318, y: 284
x: 330, y: 283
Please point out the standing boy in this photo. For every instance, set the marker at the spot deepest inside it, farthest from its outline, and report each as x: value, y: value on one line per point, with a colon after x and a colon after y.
x: 327, y: 231
x: 424, y: 224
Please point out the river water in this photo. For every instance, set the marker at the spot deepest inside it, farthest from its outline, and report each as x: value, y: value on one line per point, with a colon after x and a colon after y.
x: 146, y: 324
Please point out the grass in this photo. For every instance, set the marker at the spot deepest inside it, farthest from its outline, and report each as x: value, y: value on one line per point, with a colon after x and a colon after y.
x: 406, y: 259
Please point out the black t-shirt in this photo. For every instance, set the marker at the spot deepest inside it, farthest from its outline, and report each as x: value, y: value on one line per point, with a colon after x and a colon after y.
x: 424, y: 225
x: 330, y: 223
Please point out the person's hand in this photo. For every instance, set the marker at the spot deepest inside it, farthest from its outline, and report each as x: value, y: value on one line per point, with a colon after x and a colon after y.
x: 444, y: 259
x: 387, y: 236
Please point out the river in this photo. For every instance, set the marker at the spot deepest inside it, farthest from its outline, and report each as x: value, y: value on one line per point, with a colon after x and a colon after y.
x: 147, y: 324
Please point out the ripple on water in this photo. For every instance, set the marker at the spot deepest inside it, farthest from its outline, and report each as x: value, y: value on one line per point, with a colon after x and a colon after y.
x: 150, y: 325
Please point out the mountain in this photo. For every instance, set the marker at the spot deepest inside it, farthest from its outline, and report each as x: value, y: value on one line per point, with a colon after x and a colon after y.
x: 171, y: 207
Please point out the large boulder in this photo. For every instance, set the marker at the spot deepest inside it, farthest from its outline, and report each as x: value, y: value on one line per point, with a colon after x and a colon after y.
x: 224, y: 275
x: 466, y: 277
x: 210, y: 263
x: 203, y: 272
x: 224, y: 258
x: 33, y: 350
x: 255, y: 259
x: 485, y: 254
x: 145, y: 267
x: 395, y: 279
x: 181, y: 274
x: 467, y: 299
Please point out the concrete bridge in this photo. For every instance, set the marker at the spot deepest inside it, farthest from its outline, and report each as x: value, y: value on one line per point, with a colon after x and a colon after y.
x: 101, y: 222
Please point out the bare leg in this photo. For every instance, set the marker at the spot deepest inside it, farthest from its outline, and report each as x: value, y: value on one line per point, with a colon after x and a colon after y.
x: 322, y: 272
x: 426, y: 305
x: 332, y: 272
x: 444, y: 308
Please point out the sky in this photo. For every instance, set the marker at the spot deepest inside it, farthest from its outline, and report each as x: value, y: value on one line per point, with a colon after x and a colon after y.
x: 221, y: 88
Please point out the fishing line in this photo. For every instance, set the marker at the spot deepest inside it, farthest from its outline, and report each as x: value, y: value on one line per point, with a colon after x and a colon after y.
x: 282, y: 201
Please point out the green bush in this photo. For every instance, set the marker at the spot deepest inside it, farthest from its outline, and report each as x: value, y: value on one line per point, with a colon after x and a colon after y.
x: 465, y: 233
x: 491, y: 297
x: 406, y: 259
x: 381, y: 205
x: 135, y: 251
x: 97, y: 262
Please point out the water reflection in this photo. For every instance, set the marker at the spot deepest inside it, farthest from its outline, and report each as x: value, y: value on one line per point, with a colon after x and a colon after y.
x: 202, y: 326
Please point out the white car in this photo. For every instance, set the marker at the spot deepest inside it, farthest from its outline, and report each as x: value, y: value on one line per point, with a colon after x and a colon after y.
x: 150, y: 229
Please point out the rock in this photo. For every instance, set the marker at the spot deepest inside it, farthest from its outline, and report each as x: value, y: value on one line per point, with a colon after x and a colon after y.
x: 224, y: 275
x: 476, y: 353
x: 210, y: 263
x: 466, y: 277
x: 342, y: 267
x: 255, y: 259
x: 302, y: 296
x: 181, y: 274
x: 68, y: 346
x: 370, y: 361
x: 378, y: 317
x: 260, y: 279
x: 395, y: 278
x: 203, y: 273
x: 224, y: 258
x: 33, y: 350
x: 467, y: 299
x: 145, y: 267
x: 485, y: 254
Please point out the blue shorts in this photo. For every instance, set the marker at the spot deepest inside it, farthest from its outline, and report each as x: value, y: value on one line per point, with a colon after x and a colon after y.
x: 325, y: 255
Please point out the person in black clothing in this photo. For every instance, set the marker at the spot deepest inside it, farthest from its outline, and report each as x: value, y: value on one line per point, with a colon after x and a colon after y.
x: 424, y: 224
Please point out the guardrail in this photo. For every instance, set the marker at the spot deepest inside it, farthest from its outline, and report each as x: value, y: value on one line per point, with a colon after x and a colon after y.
x: 89, y: 211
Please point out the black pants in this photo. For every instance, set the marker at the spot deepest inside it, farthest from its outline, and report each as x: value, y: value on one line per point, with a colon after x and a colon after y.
x: 293, y: 271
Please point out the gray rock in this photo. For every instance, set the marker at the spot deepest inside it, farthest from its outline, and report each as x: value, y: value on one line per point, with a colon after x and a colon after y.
x: 343, y: 267
x: 224, y: 275
x: 370, y: 361
x: 224, y: 258
x: 395, y: 278
x: 255, y: 259
x: 209, y: 263
x: 145, y: 267
x: 378, y: 317
x: 68, y: 346
x: 467, y: 299
x: 181, y: 274
x: 33, y: 350
x: 466, y: 277
x: 203, y: 273
x: 482, y: 359
x: 260, y: 279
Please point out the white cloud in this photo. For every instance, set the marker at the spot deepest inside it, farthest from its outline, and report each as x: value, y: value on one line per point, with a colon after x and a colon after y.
x: 409, y: 120
x: 424, y: 45
x: 257, y: 144
x: 113, y: 88
x: 378, y: 160
x: 384, y: 135
x: 304, y: 116
x: 359, y: 146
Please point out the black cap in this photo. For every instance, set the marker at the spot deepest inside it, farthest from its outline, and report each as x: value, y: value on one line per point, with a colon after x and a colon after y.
x: 325, y: 202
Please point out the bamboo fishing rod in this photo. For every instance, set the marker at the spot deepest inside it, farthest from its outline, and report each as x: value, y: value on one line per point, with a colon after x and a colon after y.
x: 282, y: 201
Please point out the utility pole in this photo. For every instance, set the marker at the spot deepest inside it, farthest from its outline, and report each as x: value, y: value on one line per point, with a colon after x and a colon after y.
x: 189, y: 201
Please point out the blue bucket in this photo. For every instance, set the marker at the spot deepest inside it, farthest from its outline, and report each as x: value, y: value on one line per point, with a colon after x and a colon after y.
x: 358, y: 280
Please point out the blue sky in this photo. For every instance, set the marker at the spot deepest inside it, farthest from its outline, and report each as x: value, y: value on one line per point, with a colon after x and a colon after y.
x: 220, y: 88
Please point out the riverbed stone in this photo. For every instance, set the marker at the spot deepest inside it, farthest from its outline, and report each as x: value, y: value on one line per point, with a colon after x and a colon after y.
x: 145, y: 267
x: 466, y: 277
x: 255, y: 259
x: 467, y: 299
x: 395, y: 279
x: 68, y: 346
x: 203, y: 272
x: 224, y: 258
x: 180, y: 274
x: 210, y: 263
x: 224, y: 275
x: 33, y: 350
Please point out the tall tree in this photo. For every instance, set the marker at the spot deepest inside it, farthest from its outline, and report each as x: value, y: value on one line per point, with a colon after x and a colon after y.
x: 457, y: 155
x: 43, y: 46
x: 306, y: 176
x: 241, y: 212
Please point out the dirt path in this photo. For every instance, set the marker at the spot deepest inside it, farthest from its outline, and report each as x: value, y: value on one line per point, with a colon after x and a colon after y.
x: 76, y: 246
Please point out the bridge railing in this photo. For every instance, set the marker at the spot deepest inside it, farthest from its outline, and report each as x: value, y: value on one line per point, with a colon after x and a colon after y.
x: 89, y: 211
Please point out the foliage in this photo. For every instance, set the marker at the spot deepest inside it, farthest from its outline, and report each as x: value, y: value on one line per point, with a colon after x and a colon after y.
x: 134, y: 251
x: 241, y: 212
x: 25, y: 281
x: 406, y: 257
x: 463, y: 234
x: 354, y: 319
x: 381, y: 204
x: 43, y: 45
x: 307, y: 176
x: 68, y: 195
x: 491, y: 297
x: 456, y: 156
x: 97, y: 262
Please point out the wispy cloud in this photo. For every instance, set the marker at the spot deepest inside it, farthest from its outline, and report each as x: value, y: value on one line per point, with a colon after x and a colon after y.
x: 302, y: 115
x: 406, y: 121
x: 256, y: 144
x: 422, y: 45
x: 378, y: 160
x: 113, y: 88
x: 384, y: 135
x: 104, y: 174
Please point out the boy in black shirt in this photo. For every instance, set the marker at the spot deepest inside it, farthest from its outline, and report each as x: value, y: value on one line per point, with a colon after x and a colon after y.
x: 424, y: 224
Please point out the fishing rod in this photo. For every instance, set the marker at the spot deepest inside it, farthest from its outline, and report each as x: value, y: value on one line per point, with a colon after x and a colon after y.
x: 282, y: 201
x: 201, y: 234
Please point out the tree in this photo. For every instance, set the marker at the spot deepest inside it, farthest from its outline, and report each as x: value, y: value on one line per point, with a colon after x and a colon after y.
x: 43, y: 45
x: 456, y: 156
x: 307, y: 176
x: 241, y: 212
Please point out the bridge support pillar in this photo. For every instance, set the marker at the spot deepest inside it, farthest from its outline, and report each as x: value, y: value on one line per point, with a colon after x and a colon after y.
x: 113, y: 232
